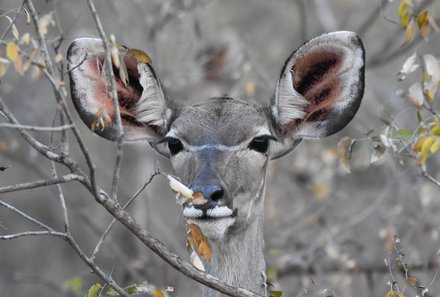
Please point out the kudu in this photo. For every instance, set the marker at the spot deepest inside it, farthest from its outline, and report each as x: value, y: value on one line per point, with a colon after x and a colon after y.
x: 222, y: 146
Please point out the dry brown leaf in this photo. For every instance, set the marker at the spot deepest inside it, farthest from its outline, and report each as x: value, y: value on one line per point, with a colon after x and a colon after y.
x: 409, y: 33
x: 199, y: 242
x: 412, y: 281
x: 59, y: 57
x: 102, y: 121
x: 29, y: 60
x: 344, y: 152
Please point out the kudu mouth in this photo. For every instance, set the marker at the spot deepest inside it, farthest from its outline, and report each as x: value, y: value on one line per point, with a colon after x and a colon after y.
x: 210, y: 210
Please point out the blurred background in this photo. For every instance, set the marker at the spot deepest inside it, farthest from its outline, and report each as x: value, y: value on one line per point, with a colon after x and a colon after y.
x: 324, y: 228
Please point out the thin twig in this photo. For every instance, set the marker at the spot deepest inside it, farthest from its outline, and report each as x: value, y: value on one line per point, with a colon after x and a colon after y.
x: 36, y: 128
x: 110, y: 76
x: 107, y: 231
x: 59, y: 93
x: 13, y: 21
x: 41, y: 183
x: 27, y: 217
x: 32, y: 233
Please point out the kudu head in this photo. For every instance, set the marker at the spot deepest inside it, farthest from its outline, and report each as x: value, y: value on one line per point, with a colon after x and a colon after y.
x: 221, y: 147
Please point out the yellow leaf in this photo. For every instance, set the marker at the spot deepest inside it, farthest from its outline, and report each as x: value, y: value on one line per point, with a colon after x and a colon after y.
x: 390, y: 293
x: 422, y: 18
x: 435, y: 147
x: 139, y: 55
x: 436, y: 131
x: 417, y: 147
x: 158, y: 293
x: 199, y: 242
x: 344, y: 152
x: 426, y: 147
x: 405, y: 12
x: 12, y: 51
x: 409, y: 33
x: 94, y: 290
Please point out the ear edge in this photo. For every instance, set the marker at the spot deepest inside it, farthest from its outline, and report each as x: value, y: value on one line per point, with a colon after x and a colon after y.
x: 78, y: 54
x: 292, y: 104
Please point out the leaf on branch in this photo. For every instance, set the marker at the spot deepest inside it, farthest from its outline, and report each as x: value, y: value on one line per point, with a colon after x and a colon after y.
x: 45, y: 21
x: 423, y: 23
x: 409, y: 66
x: 275, y: 293
x: 405, y: 12
x: 409, y: 33
x: 12, y: 51
x: 25, y: 39
x: 197, y: 241
x: 139, y: 55
x: 431, y: 77
x: 378, y: 149
x: 94, y: 290
x: 102, y: 121
x: 412, y: 281
x: 344, y: 152
x: 416, y: 96
x: 59, y: 57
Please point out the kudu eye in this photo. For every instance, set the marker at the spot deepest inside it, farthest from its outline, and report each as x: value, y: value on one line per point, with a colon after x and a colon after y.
x: 174, y: 145
x: 260, y: 143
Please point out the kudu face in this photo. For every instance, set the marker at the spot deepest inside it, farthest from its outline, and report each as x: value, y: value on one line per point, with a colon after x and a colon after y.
x: 221, y: 147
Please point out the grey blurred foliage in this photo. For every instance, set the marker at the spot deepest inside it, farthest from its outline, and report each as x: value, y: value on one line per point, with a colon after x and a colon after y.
x: 321, y: 223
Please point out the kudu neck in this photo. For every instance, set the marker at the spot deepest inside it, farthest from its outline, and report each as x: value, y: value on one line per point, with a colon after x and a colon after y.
x: 238, y: 259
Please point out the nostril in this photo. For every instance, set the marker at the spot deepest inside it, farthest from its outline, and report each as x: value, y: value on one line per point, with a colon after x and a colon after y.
x: 217, y: 195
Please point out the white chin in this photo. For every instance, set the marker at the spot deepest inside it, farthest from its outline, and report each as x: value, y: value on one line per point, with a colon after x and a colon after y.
x: 213, y: 229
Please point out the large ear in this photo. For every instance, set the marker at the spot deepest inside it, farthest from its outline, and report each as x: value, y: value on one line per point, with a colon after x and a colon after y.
x: 145, y: 112
x: 320, y: 88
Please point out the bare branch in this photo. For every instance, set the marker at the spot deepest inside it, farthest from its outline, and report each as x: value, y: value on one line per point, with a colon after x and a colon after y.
x: 27, y: 217
x: 41, y: 183
x: 110, y: 226
x: 110, y: 76
x: 13, y: 21
x: 32, y: 233
x: 36, y: 128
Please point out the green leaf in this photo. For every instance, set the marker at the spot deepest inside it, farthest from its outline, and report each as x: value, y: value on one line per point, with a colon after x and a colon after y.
x: 276, y: 293
x: 74, y: 284
x: 131, y: 289
x: 419, y: 116
x: 111, y: 292
x: 94, y: 290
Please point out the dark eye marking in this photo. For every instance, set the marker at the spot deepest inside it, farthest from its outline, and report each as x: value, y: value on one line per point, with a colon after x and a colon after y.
x: 174, y: 145
x: 261, y: 143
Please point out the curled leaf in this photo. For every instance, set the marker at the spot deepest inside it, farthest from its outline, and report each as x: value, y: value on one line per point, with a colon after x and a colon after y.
x: 94, y: 290
x: 199, y: 242
x: 344, y: 152
x: 139, y: 55
x: 45, y: 21
x: 409, y: 66
x: 405, y: 12
x: 423, y: 23
x: 102, y: 121
x: 409, y: 33
x: 416, y: 96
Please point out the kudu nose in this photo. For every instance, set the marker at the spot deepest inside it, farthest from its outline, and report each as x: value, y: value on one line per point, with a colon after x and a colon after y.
x: 213, y: 193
